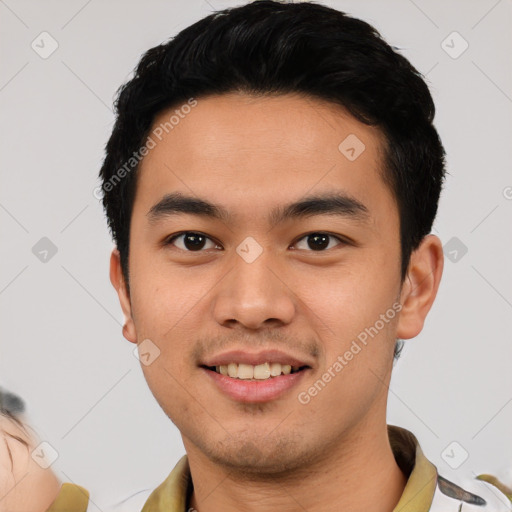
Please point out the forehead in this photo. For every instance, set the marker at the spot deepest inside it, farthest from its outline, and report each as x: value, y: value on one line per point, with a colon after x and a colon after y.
x: 251, y: 153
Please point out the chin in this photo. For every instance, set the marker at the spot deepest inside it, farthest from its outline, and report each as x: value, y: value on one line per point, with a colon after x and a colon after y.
x: 262, y: 458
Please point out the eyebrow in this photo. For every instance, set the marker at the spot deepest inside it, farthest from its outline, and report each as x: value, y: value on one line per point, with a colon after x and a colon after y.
x: 332, y: 203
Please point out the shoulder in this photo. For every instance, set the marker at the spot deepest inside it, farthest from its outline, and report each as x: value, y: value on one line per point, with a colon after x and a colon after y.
x: 132, y: 503
x: 468, y: 495
x: 71, y: 498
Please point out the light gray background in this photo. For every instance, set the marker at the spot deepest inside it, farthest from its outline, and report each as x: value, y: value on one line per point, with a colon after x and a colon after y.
x: 61, y: 344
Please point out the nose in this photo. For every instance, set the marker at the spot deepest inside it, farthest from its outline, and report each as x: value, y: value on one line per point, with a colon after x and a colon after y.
x: 254, y: 294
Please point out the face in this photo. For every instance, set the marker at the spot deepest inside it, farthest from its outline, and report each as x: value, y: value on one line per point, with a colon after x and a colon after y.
x: 251, y: 282
x: 24, y: 484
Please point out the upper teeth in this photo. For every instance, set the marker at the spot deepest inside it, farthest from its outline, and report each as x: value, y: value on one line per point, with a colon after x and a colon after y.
x: 249, y: 371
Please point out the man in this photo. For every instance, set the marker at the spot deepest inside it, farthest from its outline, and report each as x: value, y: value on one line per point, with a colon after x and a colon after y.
x: 270, y: 183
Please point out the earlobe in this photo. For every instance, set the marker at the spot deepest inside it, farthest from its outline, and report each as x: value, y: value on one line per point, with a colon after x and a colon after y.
x: 117, y: 280
x: 420, y: 286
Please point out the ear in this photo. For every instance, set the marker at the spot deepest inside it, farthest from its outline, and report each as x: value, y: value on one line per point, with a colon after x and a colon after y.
x: 117, y: 280
x: 420, y: 286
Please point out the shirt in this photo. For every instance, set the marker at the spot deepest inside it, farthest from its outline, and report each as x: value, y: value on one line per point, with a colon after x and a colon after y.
x: 425, y: 491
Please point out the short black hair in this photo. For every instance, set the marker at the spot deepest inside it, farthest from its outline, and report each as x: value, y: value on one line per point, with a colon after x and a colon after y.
x: 272, y: 48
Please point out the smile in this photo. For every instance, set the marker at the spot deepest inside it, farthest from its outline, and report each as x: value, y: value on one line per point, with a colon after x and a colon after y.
x: 255, y: 372
x: 255, y: 384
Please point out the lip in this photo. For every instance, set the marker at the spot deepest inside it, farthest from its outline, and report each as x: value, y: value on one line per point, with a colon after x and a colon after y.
x: 255, y: 358
x: 254, y: 391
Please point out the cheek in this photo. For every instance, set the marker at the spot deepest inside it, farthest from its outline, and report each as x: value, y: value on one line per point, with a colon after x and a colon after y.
x: 167, y: 380
x: 163, y: 300
x: 355, y: 315
x: 346, y: 301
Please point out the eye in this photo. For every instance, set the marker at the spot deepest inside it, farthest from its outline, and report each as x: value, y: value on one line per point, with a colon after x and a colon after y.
x: 191, y: 241
x: 319, y: 241
x: 194, y: 241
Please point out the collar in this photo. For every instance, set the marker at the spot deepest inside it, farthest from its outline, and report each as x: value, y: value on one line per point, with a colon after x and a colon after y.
x: 172, y: 494
x: 71, y: 497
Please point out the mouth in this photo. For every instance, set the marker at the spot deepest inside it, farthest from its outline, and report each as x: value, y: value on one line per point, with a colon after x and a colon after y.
x: 259, y: 372
x: 255, y: 378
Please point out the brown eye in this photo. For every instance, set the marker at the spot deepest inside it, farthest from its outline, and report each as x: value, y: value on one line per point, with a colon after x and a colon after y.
x: 319, y: 241
x: 191, y: 241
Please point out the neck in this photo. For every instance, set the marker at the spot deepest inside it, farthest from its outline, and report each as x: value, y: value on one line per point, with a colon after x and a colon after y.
x: 359, y: 474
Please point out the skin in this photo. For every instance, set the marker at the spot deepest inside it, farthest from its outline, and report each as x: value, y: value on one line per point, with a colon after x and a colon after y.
x: 249, y: 155
x: 24, y: 485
